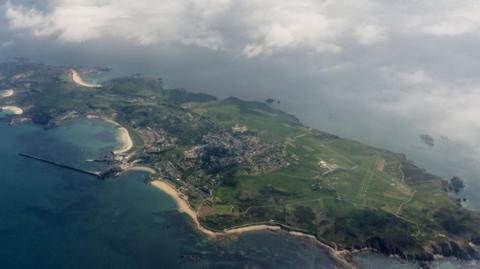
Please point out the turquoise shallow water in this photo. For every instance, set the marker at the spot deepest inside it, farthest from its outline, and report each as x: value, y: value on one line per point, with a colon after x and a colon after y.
x: 54, y: 218
x: 447, y: 158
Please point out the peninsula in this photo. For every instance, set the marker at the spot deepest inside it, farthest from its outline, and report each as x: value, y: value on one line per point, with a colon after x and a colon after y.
x: 234, y: 166
x: 78, y: 79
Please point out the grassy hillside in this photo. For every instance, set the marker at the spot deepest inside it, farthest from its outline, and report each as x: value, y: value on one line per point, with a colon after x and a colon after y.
x: 275, y: 170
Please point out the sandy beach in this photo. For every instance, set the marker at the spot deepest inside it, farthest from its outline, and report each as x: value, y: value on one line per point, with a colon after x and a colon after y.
x: 125, y: 139
x: 122, y: 134
x: 184, y: 207
x: 14, y: 110
x: 79, y: 81
x: 6, y: 93
x: 142, y: 169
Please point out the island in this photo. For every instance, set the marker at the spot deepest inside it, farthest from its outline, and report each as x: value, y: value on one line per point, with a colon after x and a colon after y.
x: 236, y: 166
x: 427, y: 139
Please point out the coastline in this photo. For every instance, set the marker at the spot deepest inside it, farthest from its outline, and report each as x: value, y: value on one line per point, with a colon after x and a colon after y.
x: 184, y: 207
x: 141, y: 169
x: 6, y: 93
x: 13, y: 110
x: 79, y: 81
x: 125, y: 158
x: 124, y: 137
x: 122, y: 134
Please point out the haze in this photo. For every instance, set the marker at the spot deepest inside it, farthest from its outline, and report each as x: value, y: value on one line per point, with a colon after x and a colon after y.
x: 381, y: 72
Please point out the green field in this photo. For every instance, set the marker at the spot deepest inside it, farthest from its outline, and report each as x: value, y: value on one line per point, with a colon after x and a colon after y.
x: 347, y: 194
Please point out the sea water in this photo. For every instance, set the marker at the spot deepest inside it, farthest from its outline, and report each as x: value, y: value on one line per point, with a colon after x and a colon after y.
x: 447, y: 158
x: 51, y: 217
x: 264, y: 250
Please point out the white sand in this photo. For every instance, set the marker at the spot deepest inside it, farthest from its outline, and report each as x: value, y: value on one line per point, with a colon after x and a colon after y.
x: 184, y: 207
x: 125, y: 138
x: 142, y: 169
x: 6, y: 93
x: 14, y: 110
x: 78, y: 80
x: 122, y: 134
x: 253, y: 228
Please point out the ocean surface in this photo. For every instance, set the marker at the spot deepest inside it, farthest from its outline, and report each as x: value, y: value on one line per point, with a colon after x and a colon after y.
x: 55, y: 218
x: 52, y: 218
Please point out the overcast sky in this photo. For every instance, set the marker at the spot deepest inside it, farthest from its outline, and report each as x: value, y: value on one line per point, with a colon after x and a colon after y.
x: 378, y: 68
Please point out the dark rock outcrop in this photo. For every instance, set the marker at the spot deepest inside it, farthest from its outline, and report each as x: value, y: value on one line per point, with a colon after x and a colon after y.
x: 453, y: 249
x: 427, y: 139
x: 457, y: 184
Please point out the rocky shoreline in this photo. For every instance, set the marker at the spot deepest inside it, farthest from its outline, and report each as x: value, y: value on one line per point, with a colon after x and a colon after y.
x: 343, y: 257
x: 433, y: 244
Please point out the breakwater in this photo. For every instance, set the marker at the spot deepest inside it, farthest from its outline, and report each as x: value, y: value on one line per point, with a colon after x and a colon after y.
x: 95, y: 174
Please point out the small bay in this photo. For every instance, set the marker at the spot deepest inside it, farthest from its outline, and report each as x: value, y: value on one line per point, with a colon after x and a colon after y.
x: 55, y: 218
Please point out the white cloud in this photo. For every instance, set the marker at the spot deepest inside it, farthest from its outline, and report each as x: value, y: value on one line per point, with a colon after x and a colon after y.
x: 21, y: 18
x: 329, y: 44
x: 369, y: 34
x: 301, y: 24
x: 447, y: 19
x: 265, y: 26
x: 439, y: 106
x: 415, y: 78
x: 449, y: 28
x: 442, y: 110
x: 141, y: 21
